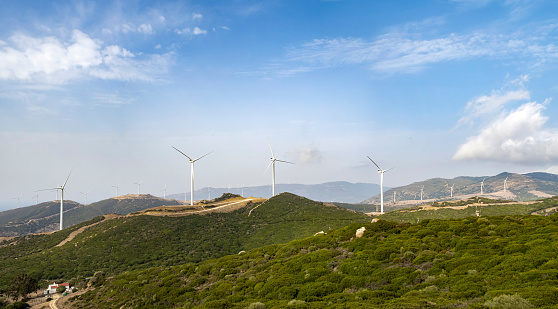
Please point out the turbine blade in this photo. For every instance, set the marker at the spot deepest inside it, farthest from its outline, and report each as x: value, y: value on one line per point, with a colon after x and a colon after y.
x: 389, y: 169
x: 67, y: 178
x: 203, y: 156
x: 374, y: 163
x: 272, y: 155
x: 284, y: 161
x: 51, y: 189
x: 268, y: 166
x: 182, y: 153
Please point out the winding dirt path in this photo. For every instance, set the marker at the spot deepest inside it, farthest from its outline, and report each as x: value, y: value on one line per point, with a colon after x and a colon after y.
x: 81, y: 229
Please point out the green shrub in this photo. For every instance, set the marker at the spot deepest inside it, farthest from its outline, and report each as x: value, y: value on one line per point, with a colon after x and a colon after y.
x: 514, y: 301
x: 256, y: 305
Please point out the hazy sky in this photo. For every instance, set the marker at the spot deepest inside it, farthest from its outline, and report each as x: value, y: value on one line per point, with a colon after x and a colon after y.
x: 439, y: 88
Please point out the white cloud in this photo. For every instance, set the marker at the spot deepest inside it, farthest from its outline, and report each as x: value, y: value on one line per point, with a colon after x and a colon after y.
x: 197, y: 31
x: 306, y: 155
x: 196, y: 16
x: 519, y: 137
x: 128, y: 27
x: 225, y: 28
x: 485, y: 105
x: 51, y: 60
x: 188, y: 31
x: 145, y: 29
x: 158, y: 46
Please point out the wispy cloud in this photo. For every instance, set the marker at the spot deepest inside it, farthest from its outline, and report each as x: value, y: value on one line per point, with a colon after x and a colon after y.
x: 53, y: 60
x: 495, y: 102
x: 407, y: 52
x: 306, y: 155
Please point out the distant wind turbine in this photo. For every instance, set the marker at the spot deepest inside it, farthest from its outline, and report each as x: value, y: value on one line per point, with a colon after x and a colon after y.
x: 451, y: 190
x: 272, y: 164
x: 394, y: 197
x: 62, y: 189
x: 381, y: 172
x: 165, y: 192
x: 139, y: 185
x: 17, y: 198
x: 85, y: 196
x: 36, y: 196
x: 421, y: 192
x: 482, y: 185
x: 116, y: 189
x: 192, y: 172
x: 505, y: 184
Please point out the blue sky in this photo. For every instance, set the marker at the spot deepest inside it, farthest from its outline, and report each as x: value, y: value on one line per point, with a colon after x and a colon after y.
x: 439, y: 88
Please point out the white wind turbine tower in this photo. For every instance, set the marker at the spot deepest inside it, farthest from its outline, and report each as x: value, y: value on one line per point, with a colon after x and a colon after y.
x: 139, y: 185
x: 272, y: 164
x: 394, y: 197
x: 36, y: 196
x: 381, y: 172
x: 505, y: 183
x: 62, y: 189
x: 17, y: 198
x: 165, y: 192
x: 451, y: 190
x: 192, y: 172
x: 482, y: 185
x: 85, y: 196
x: 116, y: 189
x: 421, y: 192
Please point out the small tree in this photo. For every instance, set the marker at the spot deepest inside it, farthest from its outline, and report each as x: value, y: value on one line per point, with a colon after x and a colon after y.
x: 60, y: 289
x: 22, y: 285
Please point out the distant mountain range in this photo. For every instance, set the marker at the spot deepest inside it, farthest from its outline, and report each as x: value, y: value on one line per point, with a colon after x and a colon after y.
x: 338, y: 191
x: 519, y: 187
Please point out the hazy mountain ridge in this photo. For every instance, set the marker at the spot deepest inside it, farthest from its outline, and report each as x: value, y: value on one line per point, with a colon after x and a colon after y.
x: 520, y: 187
x: 337, y: 191
x: 45, y: 217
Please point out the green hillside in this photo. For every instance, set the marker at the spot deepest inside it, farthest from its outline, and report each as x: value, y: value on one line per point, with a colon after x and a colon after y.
x: 462, y: 263
x: 485, y: 207
x: 139, y: 242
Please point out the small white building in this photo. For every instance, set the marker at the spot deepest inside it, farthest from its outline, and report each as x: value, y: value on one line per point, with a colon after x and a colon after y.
x: 52, y: 288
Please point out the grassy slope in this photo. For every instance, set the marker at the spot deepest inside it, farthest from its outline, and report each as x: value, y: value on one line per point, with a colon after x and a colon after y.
x: 139, y: 242
x: 435, y: 264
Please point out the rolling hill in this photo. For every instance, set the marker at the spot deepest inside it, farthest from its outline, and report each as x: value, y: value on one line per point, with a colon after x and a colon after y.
x: 45, y: 217
x: 520, y: 187
x: 139, y: 241
x: 487, y: 262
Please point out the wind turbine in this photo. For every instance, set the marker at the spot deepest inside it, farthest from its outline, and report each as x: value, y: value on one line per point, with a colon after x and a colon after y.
x: 394, y: 197
x: 505, y: 183
x: 272, y: 164
x: 17, y: 198
x: 482, y: 185
x: 116, y: 188
x: 451, y: 190
x: 61, y: 188
x: 381, y: 172
x: 139, y: 184
x: 192, y: 172
x: 85, y: 197
x: 165, y: 192
x: 421, y: 192
x: 36, y: 196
